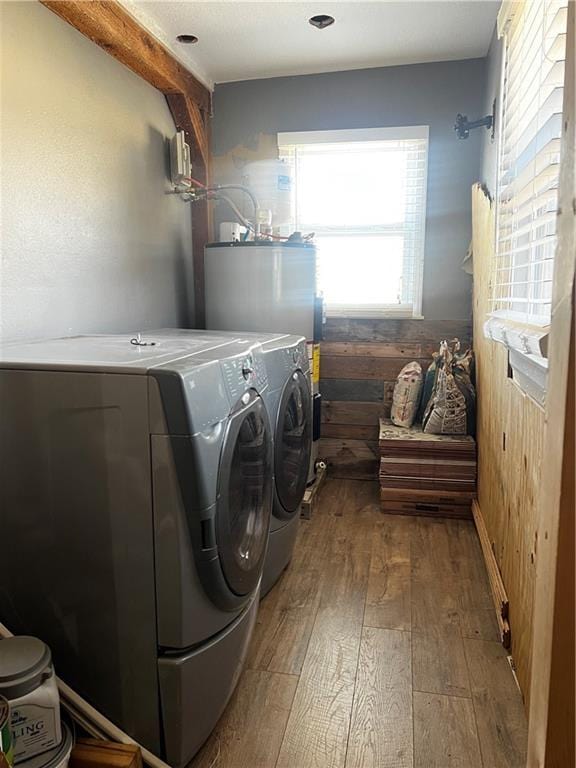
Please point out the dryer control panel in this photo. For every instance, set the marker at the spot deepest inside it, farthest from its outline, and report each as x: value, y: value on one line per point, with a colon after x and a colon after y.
x: 297, y: 357
x: 244, y: 372
x: 294, y: 357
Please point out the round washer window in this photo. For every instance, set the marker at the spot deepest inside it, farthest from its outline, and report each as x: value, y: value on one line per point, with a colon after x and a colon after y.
x: 293, y: 442
x: 243, y: 516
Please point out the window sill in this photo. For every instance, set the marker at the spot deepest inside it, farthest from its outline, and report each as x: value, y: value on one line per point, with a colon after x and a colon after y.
x: 527, y: 354
x: 367, y: 314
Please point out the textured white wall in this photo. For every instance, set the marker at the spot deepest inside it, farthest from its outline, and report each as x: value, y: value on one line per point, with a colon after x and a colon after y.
x: 90, y: 240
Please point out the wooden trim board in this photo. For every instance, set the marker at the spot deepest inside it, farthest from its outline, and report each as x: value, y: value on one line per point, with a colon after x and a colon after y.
x: 365, y: 367
x: 358, y: 391
x: 351, y: 412
x: 350, y: 431
x: 396, y: 330
x: 497, y: 589
x: 408, y: 350
x: 351, y: 420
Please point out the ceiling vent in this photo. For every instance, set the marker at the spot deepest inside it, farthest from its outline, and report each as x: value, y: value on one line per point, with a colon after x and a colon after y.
x: 321, y: 21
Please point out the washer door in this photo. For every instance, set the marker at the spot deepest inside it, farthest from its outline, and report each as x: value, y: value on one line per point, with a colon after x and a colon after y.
x: 293, y: 445
x: 245, y: 497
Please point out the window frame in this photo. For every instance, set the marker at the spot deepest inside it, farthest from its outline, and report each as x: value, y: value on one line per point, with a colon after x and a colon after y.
x: 412, y: 310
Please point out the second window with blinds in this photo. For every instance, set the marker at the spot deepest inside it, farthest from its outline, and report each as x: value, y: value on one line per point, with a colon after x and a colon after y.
x: 363, y: 193
x: 535, y: 43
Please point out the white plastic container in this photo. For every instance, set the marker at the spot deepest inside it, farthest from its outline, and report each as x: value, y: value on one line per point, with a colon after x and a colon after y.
x: 57, y: 757
x: 271, y: 182
x: 28, y: 681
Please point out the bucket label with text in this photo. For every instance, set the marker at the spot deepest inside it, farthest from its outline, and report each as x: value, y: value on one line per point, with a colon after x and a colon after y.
x: 33, y: 729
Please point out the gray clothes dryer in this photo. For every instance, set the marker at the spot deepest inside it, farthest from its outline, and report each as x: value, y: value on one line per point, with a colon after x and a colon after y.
x: 136, y: 492
x: 289, y: 407
x: 288, y: 402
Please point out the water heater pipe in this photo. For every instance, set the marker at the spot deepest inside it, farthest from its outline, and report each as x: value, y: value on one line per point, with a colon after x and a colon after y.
x: 251, y: 195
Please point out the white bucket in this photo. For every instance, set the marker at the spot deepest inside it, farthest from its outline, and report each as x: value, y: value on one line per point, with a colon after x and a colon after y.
x: 53, y: 758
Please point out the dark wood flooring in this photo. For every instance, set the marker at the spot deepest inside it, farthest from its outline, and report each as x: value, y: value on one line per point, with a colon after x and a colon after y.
x: 378, y: 648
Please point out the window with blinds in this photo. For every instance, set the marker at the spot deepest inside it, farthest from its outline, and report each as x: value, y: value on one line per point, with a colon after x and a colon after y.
x: 363, y: 194
x: 535, y: 41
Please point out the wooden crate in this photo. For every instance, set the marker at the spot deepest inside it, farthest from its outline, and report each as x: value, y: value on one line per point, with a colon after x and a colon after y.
x: 412, y: 442
x: 422, y: 474
x: 93, y: 753
x: 425, y: 504
x: 393, y: 466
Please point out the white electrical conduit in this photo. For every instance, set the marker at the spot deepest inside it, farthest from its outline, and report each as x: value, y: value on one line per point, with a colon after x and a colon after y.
x: 223, y: 187
x: 243, y: 220
x: 213, y: 193
x: 93, y: 721
x: 246, y: 190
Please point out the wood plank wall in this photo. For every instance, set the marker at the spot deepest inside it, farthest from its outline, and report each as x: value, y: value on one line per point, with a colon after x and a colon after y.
x: 510, y: 452
x: 359, y: 362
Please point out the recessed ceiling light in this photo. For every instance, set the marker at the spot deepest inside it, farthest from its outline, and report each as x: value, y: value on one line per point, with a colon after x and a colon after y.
x: 321, y: 21
x: 188, y: 39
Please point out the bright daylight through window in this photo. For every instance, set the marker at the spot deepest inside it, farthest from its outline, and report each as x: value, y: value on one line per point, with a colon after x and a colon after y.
x: 363, y: 192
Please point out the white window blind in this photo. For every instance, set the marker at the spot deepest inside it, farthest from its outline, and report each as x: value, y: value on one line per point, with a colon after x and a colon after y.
x: 363, y: 193
x: 535, y: 41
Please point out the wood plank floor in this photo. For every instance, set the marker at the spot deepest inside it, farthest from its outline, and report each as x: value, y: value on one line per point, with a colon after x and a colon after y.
x: 378, y: 648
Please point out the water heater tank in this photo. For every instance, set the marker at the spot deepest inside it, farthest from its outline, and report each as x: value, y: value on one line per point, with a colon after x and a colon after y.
x: 271, y: 182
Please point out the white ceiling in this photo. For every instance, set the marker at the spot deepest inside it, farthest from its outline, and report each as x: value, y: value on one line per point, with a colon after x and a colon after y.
x: 246, y: 40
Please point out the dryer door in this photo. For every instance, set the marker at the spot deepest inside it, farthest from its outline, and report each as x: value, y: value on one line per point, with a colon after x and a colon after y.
x: 292, y: 445
x: 245, y: 495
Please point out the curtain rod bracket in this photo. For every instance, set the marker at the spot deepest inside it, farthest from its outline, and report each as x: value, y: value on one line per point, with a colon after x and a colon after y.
x: 463, y: 126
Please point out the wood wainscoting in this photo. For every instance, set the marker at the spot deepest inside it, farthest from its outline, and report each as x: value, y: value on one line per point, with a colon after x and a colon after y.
x: 510, y: 431
x: 359, y: 363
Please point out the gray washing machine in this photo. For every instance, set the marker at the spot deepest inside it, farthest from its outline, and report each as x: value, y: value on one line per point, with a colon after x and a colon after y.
x: 288, y: 402
x: 136, y: 492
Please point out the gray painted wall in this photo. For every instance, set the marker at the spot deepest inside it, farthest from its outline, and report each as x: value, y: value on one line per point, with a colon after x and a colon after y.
x: 489, y: 166
x: 90, y: 240
x: 422, y: 94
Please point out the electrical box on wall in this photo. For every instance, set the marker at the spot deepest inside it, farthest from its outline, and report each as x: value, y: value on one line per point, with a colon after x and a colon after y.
x: 180, y: 162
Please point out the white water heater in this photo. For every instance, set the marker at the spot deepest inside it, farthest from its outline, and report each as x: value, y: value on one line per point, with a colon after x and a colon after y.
x: 269, y: 287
